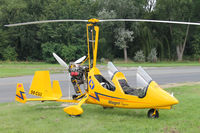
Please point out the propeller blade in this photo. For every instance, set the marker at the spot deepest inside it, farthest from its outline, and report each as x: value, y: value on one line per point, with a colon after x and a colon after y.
x: 46, y: 21
x: 80, y: 60
x: 146, y: 20
x: 60, y: 61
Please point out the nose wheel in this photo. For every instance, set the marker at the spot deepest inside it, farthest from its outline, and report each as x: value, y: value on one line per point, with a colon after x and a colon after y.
x: 153, y: 113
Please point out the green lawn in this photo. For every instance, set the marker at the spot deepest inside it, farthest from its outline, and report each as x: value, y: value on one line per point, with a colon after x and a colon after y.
x: 8, y: 69
x: 158, y: 64
x: 49, y: 117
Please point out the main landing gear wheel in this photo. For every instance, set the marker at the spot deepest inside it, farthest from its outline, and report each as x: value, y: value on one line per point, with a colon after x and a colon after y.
x: 74, y: 115
x: 153, y: 113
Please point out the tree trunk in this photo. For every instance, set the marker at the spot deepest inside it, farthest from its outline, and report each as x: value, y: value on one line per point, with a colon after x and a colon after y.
x: 180, y: 48
x: 125, y: 55
x: 178, y: 51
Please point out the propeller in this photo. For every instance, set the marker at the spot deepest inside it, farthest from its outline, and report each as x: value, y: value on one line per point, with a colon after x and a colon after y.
x: 105, y: 20
x: 60, y: 61
x: 80, y: 60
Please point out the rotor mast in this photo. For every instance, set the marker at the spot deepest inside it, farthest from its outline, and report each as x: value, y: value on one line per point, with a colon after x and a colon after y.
x: 92, y: 40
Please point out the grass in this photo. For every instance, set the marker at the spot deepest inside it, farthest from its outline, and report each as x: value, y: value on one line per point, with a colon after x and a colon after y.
x: 10, y: 69
x: 158, y: 64
x: 36, y: 117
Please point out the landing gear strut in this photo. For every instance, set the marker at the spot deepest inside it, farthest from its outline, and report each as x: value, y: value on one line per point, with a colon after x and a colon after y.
x: 153, y: 113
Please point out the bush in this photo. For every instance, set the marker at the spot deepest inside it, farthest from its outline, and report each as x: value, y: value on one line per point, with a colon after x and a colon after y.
x: 153, y: 55
x: 9, y: 53
x: 73, y: 52
x: 102, y: 60
x: 139, y: 56
x: 67, y: 53
x: 196, y: 49
x: 47, y: 50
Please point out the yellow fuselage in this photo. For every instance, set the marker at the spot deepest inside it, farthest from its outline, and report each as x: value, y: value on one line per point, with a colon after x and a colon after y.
x: 155, y: 96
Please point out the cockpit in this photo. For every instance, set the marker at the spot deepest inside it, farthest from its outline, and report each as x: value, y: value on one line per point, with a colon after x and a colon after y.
x: 142, y: 81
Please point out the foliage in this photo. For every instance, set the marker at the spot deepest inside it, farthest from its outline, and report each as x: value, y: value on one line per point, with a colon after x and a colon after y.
x: 196, y: 47
x: 73, y: 52
x: 122, y: 38
x: 176, y: 10
x: 49, y: 48
x: 166, y: 38
x: 104, y: 14
x: 139, y: 56
x: 103, y: 60
x: 67, y: 53
x: 9, y: 53
x: 152, y: 57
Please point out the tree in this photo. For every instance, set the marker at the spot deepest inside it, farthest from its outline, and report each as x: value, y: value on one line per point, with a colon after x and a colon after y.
x: 121, y: 9
x: 150, y: 5
x: 179, y: 10
x: 122, y: 38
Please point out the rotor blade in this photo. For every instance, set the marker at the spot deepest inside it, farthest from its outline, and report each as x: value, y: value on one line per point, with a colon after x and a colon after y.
x: 80, y: 60
x: 146, y: 20
x: 46, y: 21
x: 60, y: 61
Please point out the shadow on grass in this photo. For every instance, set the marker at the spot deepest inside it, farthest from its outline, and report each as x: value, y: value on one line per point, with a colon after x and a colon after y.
x: 114, y: 112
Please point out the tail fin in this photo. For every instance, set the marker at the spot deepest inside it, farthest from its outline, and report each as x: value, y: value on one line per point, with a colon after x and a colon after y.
x: 20, y: 93
x: 41, y: 86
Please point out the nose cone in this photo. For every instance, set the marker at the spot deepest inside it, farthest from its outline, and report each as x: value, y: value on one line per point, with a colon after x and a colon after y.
x: 171, y: 100
x: 160, y: 97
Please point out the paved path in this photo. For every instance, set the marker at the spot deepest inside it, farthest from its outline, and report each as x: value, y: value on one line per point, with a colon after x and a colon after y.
x: 162, y: 75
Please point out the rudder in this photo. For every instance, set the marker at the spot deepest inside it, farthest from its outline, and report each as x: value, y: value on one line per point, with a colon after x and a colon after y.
x: 56, y: 89
x: 20, y: 93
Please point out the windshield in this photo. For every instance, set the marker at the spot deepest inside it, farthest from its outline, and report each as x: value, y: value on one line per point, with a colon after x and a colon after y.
x: 111, y: 69
x: 142, y: 81
x: 142, y: 78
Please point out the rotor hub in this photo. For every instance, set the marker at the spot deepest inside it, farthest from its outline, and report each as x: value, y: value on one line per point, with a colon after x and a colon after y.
x: 93, y: 20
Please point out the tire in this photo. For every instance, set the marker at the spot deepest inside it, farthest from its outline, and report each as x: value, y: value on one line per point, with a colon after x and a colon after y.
x: 74, y: 115
x: 150, y: 114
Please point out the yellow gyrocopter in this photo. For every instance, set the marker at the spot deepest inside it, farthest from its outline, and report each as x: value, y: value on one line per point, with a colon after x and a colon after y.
x: 107, y: 93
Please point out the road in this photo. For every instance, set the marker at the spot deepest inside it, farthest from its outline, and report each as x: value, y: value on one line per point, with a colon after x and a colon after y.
x: 162, y: 75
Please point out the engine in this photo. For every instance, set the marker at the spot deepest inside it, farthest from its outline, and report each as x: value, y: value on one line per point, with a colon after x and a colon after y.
x: 77, y: 73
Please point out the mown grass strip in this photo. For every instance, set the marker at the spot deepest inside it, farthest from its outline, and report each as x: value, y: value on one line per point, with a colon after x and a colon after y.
x: 12, y: 69
x: 157, y: 64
